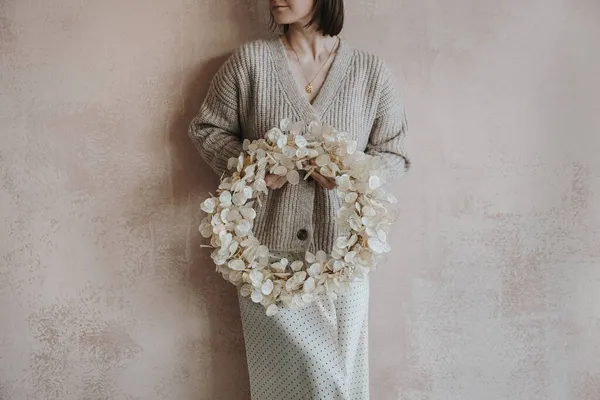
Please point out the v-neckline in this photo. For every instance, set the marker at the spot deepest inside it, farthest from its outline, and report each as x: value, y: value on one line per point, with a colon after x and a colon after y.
x: 333, y: 80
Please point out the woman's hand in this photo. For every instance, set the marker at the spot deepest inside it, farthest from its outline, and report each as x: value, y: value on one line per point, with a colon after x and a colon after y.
x: 275, y: 181
x: 326, y: 182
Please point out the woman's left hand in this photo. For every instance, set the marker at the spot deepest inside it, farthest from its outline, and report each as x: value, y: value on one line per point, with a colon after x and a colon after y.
x: 326, y: 182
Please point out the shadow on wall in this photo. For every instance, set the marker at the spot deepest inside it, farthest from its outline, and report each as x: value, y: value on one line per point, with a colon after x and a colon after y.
x: 220, y: 350
x: 222, y: 344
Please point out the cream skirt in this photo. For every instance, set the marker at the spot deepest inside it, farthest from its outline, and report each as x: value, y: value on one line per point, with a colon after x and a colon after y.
x: 319, y: 352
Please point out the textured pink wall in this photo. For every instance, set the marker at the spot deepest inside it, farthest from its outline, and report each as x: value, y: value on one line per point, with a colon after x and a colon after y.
x: 491, y: 291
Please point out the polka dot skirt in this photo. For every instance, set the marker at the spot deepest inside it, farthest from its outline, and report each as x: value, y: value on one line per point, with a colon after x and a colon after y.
x: 319, y: 352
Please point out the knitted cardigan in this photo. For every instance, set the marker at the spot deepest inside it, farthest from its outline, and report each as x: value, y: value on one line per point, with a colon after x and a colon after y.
x: 255, y: 89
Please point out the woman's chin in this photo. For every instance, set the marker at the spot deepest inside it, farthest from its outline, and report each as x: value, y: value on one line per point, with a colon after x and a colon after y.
x: 283, y: 20
x: 282, y: 17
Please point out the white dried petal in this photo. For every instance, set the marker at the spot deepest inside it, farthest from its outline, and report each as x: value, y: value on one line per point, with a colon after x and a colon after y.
x: 315, y: 269
x: 293, y: 177
x: 205, y: 228
x: 256, y: 296
x: 248, y: 212
x: 299, y: 276
x: 312, y: 153
x: 349, y: 257
x: 246, y: 290
x: 249, y: 171
x: 300, y: 141
x: 208, y: 205
x: 267, y: 287
x: 235, y: 277
x: 374, y: 182
x: 289, y: 151
x: 225, y: 198
x: 246, y: 144
x: 369, y: 211
x: 232, y: 162
x: 338, y: 265
x: 284, y: 124
x: 272, y: 310
x: 297, y: 265
x: 289, y: 164
x: 281, y: 170
x: 337, y: 253
x: 237, y: 265
x: 247, y: 191
x: 296, y: 128
x: 281, y: 141
x: 308, y: 298
x: 260, y: 154
x: 278, y: 266
x: 341, y: 242
x: 219, y: 229
x: 243, y: 228
x: 353, y: 239
x: 256, y: 277
x: 370, y: 222
x: 260, y: 185
x: 302, y: 152
x: 263, y: 251
x: 273, y: 134
x: 351, y: 197
x: 378, y: 246
x: 323, y: 160
x: 291, y: 285
x: 309, y: 285
x: 223, y: 214
x: 225, y: 239
x: 315, y: 127
x: 225, y: 185
x: 234, y: 215
x: 239, y: 199
x: 351, y: 147
x: 321, y: 256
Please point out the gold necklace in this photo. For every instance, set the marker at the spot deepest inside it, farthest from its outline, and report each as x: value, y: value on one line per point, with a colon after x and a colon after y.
x: 309, y: 88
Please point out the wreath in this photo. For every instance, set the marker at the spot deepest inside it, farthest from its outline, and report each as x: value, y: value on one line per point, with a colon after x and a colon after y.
x: 364, y: 217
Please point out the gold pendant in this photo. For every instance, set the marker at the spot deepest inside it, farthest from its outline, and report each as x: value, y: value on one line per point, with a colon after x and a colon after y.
x: 308, y: 88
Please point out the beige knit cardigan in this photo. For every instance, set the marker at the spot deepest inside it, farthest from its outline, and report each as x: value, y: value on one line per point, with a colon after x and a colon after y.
x: 255, y: 89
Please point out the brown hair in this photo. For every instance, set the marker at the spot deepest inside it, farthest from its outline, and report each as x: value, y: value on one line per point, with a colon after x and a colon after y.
x: 328, y: 15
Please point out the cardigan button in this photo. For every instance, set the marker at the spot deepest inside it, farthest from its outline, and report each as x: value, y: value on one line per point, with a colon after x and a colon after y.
x: 302, y: 234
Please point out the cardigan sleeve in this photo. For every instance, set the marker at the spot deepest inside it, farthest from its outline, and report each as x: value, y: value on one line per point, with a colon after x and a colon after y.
x: 389, y: 129
x: 215, y: 131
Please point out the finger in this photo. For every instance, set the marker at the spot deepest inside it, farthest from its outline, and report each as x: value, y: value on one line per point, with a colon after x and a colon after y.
x: 276, y: 181
x: 269, y: 181
x: 272, y: 181
x: 330, y: 182
x: 325, y: 182
x: 281, y: 181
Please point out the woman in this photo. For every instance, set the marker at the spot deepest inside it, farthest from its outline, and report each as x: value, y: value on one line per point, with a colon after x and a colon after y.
x: 320, y: 351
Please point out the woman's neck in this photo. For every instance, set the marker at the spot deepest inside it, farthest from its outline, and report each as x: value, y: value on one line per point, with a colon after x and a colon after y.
x: 309, y: 42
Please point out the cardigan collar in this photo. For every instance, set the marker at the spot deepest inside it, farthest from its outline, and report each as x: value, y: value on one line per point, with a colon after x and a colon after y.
x: 336, y: 74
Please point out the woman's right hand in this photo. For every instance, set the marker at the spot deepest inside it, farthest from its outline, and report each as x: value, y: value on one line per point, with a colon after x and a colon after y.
x: 275, y: 181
